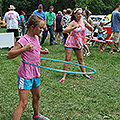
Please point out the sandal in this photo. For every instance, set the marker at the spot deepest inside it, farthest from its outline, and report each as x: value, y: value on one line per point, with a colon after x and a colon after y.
x: 88, y: 77
x: 112, y: 52
x: 62, y: 80
x: 101, y: 50
x: 118, y: 51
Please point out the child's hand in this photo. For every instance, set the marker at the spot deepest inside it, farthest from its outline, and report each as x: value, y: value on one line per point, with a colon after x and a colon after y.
x: 45, y: 51
x: 28, y: 47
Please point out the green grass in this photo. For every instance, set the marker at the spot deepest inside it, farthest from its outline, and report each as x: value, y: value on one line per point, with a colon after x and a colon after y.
x: 77, y: 98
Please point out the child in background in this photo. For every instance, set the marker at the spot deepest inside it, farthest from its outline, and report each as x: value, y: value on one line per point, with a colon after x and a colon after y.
x: 101, y: 35
x: 74, y: 42
x: 88, y: 33
x: 29, y: 76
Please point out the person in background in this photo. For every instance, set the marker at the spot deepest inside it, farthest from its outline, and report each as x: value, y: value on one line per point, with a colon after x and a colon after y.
x: 74, y: 41
x: 65, y: 21
x: 64, y: 12
x: 22, y: 22
x: 100, y: 35
x: 58, y: 27
x: 88, y: 33
x: 51, y: 25
x: 40, y: 12
x: 12, y: 20
x: 115, y: 27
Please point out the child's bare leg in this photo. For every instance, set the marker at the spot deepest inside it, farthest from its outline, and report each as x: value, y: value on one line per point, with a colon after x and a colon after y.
x: 23, y: 100
x: 68, y: 55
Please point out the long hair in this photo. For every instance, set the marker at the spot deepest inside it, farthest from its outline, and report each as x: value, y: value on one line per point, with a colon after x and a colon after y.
x: 87, y: 13
x: 74, y: 12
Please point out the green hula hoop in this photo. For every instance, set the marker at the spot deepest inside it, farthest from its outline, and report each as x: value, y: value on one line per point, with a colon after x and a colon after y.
x: 62, y: 71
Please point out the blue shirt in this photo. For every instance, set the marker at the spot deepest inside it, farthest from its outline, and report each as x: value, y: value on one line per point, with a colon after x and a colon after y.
x: 115, y: 18
x: 42, y: 14
x: 100, y: 36
x: 21, y: 16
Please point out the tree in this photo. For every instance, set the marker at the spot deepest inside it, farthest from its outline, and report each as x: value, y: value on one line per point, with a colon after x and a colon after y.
x: 95, y: 6
x: 1, y: 7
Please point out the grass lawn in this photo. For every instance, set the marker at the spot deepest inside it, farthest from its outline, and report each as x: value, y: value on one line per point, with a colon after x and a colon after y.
x: 77, y: 98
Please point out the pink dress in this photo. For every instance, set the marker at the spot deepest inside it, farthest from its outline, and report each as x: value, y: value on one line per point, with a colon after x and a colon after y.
x: 74, y: 39
x: 28, y: 71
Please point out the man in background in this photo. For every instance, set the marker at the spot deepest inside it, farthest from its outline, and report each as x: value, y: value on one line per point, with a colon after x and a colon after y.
x: 51, y: 25
x: 40, y: 12
x: 12, y: 20
x: 115, y: 27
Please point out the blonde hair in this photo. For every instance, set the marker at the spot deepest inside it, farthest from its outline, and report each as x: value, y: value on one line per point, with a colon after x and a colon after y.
x: 34, y: 20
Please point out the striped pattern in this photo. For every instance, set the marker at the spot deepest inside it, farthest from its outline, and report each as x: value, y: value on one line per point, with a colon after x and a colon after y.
x: 21, y: 83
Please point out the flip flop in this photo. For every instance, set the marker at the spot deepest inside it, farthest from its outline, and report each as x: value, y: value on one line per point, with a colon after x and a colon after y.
x: 112, y: 52
x: 101, y: 50
x: 62, y: 80
x: 91, y: 77
x: 118, y: 51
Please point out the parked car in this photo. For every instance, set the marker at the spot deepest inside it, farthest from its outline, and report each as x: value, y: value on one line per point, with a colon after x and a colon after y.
x: 2, y: 23
x: 97, y: 18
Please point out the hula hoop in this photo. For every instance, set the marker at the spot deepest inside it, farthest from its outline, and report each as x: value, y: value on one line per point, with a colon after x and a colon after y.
x: 63, y: 71
x: 93, y: 39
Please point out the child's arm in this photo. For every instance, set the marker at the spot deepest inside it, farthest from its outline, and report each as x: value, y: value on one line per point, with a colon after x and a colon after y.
x: 45, y: 51
x: 18, y: 49
x: 70, y: 27
x: 88, y: 26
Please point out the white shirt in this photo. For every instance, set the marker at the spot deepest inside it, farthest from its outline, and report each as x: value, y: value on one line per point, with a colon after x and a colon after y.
x: 11, y: 19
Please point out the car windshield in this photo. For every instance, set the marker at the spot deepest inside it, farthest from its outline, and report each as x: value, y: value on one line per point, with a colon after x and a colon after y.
x: 99, y: 19
x: 94, y: 19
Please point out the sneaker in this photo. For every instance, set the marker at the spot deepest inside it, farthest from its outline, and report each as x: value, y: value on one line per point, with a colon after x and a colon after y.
x: 41, y: 117
x: 89, y: 43
x: 88, y: 54
x: 84, y: 55
x: 51, y: 44
x: 55, y: 43
x: 93, y: 43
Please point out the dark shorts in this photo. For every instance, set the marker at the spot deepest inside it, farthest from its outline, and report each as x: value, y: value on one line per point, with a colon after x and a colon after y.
x: 71, y: 48
x: 15, y: 32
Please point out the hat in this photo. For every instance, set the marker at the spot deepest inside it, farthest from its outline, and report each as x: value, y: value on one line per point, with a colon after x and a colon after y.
x: 40, y: 5
x: 59, y: 12
x: 11, y: 7
x: 51, y: 7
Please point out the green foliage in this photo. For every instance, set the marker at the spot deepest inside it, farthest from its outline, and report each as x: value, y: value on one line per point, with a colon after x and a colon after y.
x: 95, y: 6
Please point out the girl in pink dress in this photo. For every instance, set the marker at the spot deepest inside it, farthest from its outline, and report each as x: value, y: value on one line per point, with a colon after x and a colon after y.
x: 75, y: 40
x: 29, y: 76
